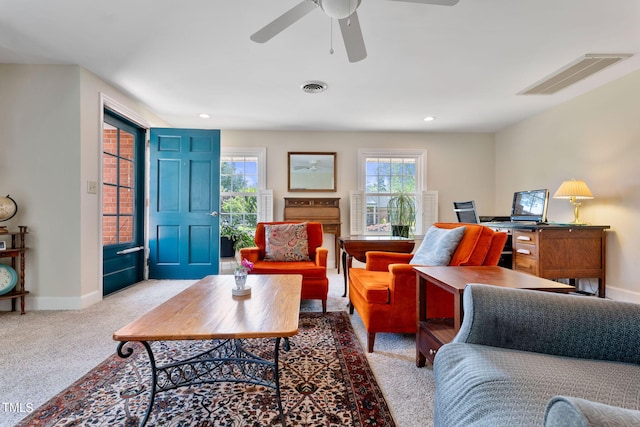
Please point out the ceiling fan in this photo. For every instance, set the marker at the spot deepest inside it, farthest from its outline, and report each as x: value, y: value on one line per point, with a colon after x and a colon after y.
x: 345, y: 11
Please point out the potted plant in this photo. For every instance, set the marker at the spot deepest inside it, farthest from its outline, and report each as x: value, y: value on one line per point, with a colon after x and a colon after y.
x: 234, y: 237
x: 402, y: 213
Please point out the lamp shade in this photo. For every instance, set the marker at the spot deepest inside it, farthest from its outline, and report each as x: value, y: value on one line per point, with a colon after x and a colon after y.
x: 575, y: 189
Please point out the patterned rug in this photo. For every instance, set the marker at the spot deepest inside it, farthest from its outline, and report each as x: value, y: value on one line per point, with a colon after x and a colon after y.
x: 325, y: 380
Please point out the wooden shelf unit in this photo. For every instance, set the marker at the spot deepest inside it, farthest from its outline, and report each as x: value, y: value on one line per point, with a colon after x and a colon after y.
x: 325, y: 210
x: 16, y: 252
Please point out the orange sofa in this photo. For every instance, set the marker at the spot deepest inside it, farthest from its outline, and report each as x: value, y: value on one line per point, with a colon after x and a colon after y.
x: 315, y: 284
x: 384, y: 292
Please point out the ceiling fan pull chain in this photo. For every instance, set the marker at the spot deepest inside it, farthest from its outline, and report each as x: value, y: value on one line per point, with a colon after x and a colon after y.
x: 331, y: 35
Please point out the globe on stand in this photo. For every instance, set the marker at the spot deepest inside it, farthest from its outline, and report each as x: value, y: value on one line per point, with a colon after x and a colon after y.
x: 8, y: 209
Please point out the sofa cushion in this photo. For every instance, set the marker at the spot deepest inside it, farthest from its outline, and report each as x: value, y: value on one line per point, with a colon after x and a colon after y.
x: 563, y: 411
x: 308, y: 269
x: 286, y: 242
x: 373, y: 286
x: 438, y: 246
x: 483, y: 385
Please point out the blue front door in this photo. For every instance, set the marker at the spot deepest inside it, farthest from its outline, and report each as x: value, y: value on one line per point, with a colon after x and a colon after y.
x: 184, y: 202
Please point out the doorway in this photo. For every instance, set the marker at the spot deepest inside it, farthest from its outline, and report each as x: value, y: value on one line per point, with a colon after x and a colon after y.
x: 123, y: 172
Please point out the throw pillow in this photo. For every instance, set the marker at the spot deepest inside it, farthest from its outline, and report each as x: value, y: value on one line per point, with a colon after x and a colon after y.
x: 438, y: 246
x: 286, y: 242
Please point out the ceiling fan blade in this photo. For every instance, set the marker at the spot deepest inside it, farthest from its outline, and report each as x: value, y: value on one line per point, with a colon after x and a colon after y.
x: 438, y: 2
x: 279, y: 24
x: 353, y: 40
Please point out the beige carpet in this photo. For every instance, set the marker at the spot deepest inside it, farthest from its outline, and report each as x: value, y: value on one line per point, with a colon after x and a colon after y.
x: 41, y: 353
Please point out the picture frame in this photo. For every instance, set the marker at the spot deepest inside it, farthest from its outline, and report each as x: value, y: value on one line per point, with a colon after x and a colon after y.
x: 311, y: 171
x: 3, y: 245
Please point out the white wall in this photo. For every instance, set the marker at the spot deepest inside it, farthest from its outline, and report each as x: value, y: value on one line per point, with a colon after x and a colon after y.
x: 459, y: 166
x: 595, y: 137
x: 49, y: 148
x: 40, y: 168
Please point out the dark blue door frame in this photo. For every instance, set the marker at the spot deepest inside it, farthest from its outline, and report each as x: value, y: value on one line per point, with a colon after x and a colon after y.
x: 123, y: 260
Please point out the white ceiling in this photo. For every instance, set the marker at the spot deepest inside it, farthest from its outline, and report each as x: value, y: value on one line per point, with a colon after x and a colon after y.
x: 462, y: 64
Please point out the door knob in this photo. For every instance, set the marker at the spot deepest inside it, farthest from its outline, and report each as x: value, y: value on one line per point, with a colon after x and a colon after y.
x: 214, y: 213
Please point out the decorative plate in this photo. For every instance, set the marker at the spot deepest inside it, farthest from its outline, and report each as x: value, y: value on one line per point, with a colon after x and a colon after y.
x: 8, y: 278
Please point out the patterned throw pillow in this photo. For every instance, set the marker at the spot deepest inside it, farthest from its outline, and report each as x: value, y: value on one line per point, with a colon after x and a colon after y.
x: 438, y: 246
x: 286, y: 242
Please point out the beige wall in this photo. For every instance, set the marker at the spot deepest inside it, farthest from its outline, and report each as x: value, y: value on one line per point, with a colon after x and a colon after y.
x: 595, y: 137
x: 459, y: 166
x: 49, y: 148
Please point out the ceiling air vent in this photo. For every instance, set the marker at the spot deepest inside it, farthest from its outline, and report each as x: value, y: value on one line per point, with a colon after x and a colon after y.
x: 582, y: 68
x: 314, y: 86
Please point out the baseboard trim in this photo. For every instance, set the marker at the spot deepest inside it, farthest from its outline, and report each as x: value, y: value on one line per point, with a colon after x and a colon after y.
x: 619, y: 294
x: 35, y: 303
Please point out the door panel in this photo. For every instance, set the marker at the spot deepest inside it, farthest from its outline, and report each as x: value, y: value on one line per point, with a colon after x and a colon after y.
x: 122, y: 203
x: 184, y: 192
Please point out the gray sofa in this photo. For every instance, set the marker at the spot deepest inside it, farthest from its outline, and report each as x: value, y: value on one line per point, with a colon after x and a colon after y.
x: 529, y: 358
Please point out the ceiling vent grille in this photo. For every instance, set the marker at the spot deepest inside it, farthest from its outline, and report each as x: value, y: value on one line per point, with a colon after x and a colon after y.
x: 314, y: 86
x: 574, y: 72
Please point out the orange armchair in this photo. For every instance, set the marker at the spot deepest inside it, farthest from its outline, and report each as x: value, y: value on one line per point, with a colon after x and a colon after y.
x: 384, y: 292
x: 315, y: 284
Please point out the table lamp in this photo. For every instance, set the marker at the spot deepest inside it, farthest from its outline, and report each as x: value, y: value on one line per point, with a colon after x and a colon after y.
x: 574, y: 190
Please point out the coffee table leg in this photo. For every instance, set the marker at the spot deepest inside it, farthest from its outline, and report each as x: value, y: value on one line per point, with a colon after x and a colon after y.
x: 220, y: 354
x: 277, y: 377
x: 126, y: 352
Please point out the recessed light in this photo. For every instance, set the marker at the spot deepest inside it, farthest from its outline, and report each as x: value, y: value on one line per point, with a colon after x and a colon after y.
x: 205, y: 116
x: 429, y: 119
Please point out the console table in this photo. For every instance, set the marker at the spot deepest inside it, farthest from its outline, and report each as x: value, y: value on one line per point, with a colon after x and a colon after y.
x: 358, y: 246
x: 431, y: 334
x: 559, y: 251
x: 325, y: 210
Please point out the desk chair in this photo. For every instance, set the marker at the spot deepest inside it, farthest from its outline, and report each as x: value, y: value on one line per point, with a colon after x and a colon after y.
x: 466, y: 212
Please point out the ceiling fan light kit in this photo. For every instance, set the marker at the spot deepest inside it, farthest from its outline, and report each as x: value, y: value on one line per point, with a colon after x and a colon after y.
x: 345, y: 11
x: 339, y: 9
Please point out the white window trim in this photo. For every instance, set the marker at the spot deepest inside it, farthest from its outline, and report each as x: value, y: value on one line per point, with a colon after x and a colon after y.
x: 422, y: 219
x: 259, y: 152
x: 419, y: 154
x: 265, y: 196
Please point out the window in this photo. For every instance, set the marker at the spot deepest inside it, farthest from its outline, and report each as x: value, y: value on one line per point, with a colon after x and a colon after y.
x: 382, y: 174
x: 242, y: 177
x: 118, y: 169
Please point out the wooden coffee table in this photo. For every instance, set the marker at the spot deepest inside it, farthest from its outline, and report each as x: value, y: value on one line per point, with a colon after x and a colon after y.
x: 431, y: 334
x: 208, y: 311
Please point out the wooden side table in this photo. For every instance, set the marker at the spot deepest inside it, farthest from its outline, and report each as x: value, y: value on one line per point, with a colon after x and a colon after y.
x: 17, y: 253
x: 358, y: 246
x: 431, y: 334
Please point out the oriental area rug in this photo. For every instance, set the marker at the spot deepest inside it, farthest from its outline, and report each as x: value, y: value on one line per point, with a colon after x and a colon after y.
x: 325, y: 380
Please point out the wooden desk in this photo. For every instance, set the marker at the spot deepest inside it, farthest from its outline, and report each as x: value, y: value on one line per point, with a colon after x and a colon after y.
x: 431, y: 334
x: 358, y: 246
x: 557, y: 251
x: 208, y: 311
x: 325, y: 210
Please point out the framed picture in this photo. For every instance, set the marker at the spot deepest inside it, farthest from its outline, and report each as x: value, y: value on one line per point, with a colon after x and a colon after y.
x: 312, y: 172
x: 3, y: 245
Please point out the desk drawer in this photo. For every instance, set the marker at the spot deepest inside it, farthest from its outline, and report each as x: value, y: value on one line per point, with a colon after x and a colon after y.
x: 525, y: 265
x: 427, y: 344
x: 525, y: 237
x: 331, y: 228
